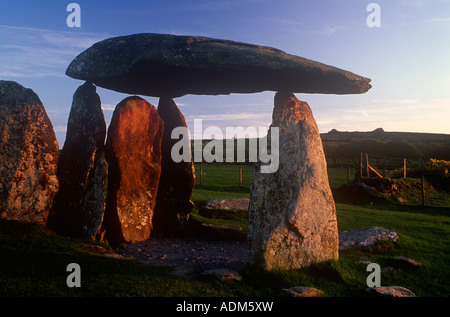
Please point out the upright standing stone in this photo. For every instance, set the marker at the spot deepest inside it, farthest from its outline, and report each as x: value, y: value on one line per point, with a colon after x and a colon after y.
x: 28, y: 156
x: 133, y: 153
x: 80, y: 204
x: 292, y: 215
x: 177, y: 178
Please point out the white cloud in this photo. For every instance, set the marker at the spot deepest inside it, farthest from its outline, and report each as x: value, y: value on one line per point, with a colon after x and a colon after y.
x: 108, y: 107
x: 230, y: 117
x: 37, y: 53
x: 409, y: 115
x: 437, y: 20
x: 60, y: 128
x: 413, y: 3
x: 330, y: 30
x: 222, y: 121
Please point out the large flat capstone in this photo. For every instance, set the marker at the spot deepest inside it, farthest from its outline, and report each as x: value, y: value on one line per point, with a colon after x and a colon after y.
x: 169, y: 65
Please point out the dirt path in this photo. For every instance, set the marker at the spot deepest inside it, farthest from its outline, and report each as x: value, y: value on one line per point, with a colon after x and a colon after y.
x: 177, y: 251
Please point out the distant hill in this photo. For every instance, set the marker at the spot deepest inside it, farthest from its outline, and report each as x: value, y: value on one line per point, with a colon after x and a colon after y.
x: 426, y: 145
x: 348, y: 145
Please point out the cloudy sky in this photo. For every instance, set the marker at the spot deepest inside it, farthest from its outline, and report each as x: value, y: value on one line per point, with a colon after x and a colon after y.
x: 407, y: 56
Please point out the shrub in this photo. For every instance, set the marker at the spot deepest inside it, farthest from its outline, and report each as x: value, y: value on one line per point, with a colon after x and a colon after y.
x: 438, y: 168
x: 433, y: 168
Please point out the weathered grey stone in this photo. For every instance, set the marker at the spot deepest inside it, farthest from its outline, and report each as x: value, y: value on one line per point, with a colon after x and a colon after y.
x: 391, y: 291
x: 387, y: 269
x: 133, y: 153
x: 363, y: 260
x: 228, y: 204
x: 224, y: 275
x: 365, y: 237
x: 177, y: 180
x: 407, y: 260
x: 80, y: 203
x: 28, y: 156
x: 401, y: 200
x: 169, y: 65
x: 302, y: 291
x: 292, y: 215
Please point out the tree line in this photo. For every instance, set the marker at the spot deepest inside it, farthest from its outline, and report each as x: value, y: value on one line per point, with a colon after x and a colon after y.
x: 389, y: 149
x: 422, y: 150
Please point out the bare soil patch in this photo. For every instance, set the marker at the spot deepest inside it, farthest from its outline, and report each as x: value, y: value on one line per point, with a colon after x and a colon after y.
x: 176, y: 251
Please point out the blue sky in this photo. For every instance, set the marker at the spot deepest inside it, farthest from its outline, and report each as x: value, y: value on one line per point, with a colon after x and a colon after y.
x: 407, y: 58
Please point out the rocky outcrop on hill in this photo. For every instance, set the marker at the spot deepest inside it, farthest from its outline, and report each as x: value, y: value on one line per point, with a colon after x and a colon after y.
x: 292, y: 216
x: 28, y: 156
x: 79, y: 205
x: 169, y: 65
x: 133, y: 152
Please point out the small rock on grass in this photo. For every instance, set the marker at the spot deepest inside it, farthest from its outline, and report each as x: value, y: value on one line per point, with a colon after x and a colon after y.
x: 390, y: 291
x: 408, y: 260
x: 224, y: 275
x: 302, y: 291
x: 363, y: 260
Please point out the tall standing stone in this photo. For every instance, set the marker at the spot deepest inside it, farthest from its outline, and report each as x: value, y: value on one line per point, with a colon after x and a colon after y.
x: 80, y: 203
x: 177, y: 178
x: 28, y: 156
x: 292, y: 215
x: 133, y: 153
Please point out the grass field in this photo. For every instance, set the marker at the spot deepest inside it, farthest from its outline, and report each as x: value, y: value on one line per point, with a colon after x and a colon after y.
x: 34, y: 259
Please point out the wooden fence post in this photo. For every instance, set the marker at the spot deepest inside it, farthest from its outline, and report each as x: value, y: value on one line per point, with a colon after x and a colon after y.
x: 367, y: 165
x: 348, y: 174
x: 361, y: 166
x: 423, y: 189
x: 240, y: 176
x: 404, y: 168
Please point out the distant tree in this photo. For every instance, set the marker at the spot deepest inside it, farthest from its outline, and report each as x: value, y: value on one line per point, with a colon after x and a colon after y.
x: 332, y: 153
x: 393, y: 149
x: 438, y: 151
x: 401, y: 149
x: 353, y: 149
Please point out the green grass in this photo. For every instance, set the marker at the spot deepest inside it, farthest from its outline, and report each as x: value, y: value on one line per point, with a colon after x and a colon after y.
x: 34, y: 259
x: 221, y: 181
x: 424, y: 236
